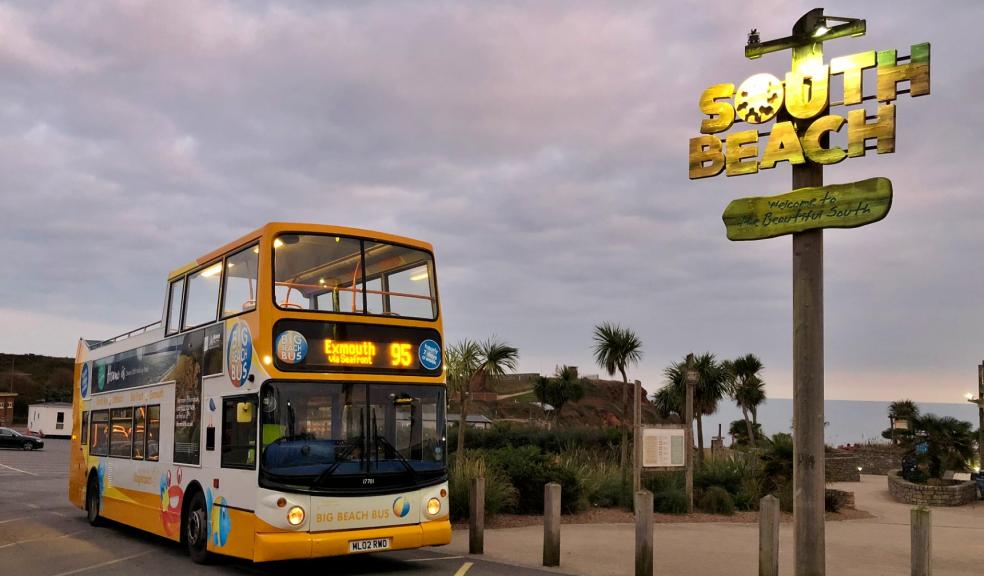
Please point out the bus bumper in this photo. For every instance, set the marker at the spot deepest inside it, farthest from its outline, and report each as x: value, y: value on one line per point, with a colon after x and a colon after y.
x: 298, y: 545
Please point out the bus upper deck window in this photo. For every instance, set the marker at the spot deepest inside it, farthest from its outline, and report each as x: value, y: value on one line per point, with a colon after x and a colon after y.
x: 203, y: 296
x: 174, y: 306
x: 240, y: 281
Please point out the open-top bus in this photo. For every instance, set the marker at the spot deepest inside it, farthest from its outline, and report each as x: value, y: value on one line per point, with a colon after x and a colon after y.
x: 289, y: 404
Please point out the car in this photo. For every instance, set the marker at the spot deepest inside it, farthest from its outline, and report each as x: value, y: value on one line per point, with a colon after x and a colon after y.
x: 14, y: 439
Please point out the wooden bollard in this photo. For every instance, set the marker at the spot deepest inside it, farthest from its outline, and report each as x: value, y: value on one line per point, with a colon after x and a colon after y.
x: 551, y: 524
x: 476, y: 517
x: 769, y: 536
x: 922, y: 542
x: 644, y: 533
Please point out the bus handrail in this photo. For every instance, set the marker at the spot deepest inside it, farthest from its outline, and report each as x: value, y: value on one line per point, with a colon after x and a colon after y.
x: 124, y: 335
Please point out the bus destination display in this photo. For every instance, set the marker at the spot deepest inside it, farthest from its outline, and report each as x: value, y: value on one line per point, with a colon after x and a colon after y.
x: 312, y: 346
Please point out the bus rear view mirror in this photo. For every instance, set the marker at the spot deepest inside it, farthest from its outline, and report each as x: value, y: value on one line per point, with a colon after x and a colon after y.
x: 244, y: 412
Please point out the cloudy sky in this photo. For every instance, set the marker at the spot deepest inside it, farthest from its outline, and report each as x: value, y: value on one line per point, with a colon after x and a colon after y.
x: 541, y: 147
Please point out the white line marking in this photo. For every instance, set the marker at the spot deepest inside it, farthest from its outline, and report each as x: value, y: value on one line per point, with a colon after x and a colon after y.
x: 33, y: 506
x: 59, y: 537
x: 103, y: 564
x: 464, y: 569
x: 14, y: 519
x: 18, y: 470
x: 433, y: 559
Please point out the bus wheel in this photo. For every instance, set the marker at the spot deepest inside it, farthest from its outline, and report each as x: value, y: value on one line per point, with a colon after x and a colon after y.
x: 92, y: 502
x: 196, y: 530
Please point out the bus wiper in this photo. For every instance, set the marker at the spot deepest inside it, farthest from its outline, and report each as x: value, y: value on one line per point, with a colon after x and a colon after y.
x: 340, y: 457
x: 386, y: 444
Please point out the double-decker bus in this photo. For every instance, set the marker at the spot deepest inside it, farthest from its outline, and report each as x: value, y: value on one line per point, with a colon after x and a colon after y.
x: 289, y: 404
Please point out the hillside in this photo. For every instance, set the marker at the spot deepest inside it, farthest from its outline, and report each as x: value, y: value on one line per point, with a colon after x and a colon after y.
x: 36, y: 378
x: 600, y: 406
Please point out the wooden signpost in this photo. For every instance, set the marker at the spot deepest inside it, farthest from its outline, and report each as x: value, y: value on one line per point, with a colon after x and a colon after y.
x: 800, y: 136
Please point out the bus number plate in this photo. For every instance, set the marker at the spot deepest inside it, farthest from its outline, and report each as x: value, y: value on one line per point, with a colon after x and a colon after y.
x: 369, y: 545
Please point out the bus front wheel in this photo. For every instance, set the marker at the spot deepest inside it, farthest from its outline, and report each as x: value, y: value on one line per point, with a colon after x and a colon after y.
x: 92, y: 502
x: 196, y: 530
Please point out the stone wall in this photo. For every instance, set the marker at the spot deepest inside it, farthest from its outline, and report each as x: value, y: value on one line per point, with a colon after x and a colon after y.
x: 877, y: 459
x: 956, y: 494
x: 841, y: 467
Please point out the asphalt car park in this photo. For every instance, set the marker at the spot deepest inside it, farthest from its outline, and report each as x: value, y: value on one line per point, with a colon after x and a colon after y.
x: 43, y: 534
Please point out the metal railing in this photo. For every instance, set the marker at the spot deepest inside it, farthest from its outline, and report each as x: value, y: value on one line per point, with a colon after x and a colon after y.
x: 125, y: 335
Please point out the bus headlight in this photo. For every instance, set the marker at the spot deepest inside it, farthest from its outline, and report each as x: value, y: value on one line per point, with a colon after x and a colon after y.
x: 295, y: 516
x: 433, y: 506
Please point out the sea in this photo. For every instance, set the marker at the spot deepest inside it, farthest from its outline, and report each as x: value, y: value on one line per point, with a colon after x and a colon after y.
x: 846, y: 421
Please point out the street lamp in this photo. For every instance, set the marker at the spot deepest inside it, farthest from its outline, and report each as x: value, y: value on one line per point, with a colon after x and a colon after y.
x: 811, y: 27
x: 979, y: 401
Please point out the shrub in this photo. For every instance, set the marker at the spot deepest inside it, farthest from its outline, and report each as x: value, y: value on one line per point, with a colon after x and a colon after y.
x: 500, y: 494
x: 670, y: 501
x: 599, y: 476
x: 510, y: 435
x: 529, y: 470
x: 834, y: 500
x: 722, y: 471
x: 717, y: 500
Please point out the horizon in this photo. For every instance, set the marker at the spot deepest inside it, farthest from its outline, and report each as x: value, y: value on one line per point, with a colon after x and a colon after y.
x: 542, y: 150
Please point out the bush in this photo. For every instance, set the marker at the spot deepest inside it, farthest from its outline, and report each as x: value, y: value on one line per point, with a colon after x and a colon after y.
x: 510, y: 435
x: 724, y: 472
x: 834, y: 500
x: 500, y: 494
x: 529, y: 470
x: 717, y: 500
x: 670, y: 501
x: 599, y: 476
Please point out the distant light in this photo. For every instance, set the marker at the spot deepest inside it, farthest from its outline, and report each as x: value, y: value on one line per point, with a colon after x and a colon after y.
x: 256, y: 250
x: 267, y: 360
x: 229, y: 264
x: 278, y: 243
x: 860, y: 468
x: 820, y: 31
x: 419, y: 277
x: 969, y: 396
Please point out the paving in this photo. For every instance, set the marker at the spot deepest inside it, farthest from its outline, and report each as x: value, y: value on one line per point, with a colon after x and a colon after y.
x: 867, y: 547
x: 42, y: 534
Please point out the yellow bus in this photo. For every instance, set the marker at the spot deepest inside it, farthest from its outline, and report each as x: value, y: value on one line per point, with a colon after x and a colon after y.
x: 290, y: 403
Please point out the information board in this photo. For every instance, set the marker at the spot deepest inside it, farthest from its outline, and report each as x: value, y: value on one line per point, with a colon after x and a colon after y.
x: 663, y: 447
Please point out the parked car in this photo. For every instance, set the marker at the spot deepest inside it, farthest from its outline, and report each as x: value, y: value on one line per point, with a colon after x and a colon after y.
x: 14, y: 439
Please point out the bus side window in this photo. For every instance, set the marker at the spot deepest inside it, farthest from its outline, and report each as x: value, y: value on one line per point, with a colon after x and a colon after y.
x: 239, y: 432
x: 153, y: 426
x: 201, y: 304
x: 240, y: 281
x: 174, y: 306
x: 99, y: 435
x: 139, y: 423
x: 84, y: 430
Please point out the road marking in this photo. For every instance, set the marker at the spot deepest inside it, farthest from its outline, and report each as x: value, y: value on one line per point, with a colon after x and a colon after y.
x: 103, y: 564
x: 59, y: 537
x: 18, y: 470
x: 464, y: 569
x: 14, y: 519
x: 33, y: 506
x: 433, y: 559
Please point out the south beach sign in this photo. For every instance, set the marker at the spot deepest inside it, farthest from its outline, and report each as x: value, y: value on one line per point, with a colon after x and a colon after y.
x: 805, y: 98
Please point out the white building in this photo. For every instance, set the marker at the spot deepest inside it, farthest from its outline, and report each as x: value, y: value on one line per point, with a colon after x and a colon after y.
x: 50, y: 419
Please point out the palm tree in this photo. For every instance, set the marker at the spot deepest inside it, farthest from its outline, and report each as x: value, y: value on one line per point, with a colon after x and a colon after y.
x: 711, y: 386
x: 614, y: 349
x: 746, y: 387
x: 565, y: 386
x: 470, y: 364
x: 949, y: 443
x: 906, y: 410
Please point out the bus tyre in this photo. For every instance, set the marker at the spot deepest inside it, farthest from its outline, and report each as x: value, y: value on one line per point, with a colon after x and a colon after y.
x: 196, y: 530
x: 92, y: 502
